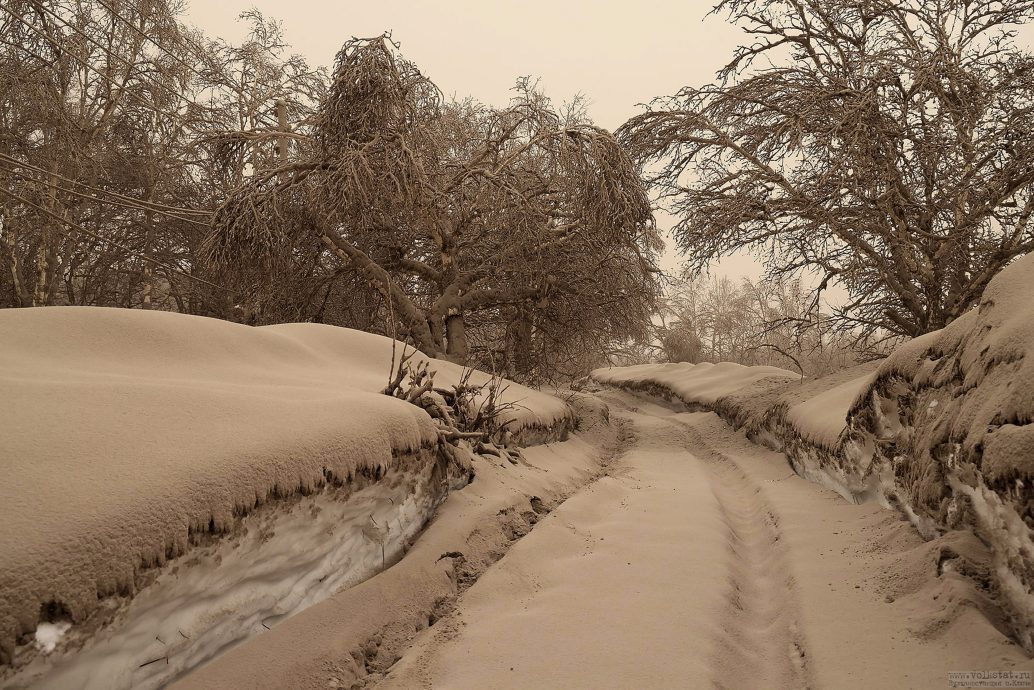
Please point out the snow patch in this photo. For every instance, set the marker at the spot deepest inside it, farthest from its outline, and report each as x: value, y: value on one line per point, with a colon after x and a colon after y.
x: 49, y: 634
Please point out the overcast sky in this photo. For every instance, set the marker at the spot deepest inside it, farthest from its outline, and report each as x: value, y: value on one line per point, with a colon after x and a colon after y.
x: 617, y: 54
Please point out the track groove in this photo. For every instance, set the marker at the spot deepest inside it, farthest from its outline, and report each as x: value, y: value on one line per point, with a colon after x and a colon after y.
x: 759, y: 639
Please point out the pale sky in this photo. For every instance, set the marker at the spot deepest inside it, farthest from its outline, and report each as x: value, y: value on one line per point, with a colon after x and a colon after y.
x: 617, y: 54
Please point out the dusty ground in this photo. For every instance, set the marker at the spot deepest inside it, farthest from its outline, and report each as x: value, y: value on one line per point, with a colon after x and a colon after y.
x: 701, y: 560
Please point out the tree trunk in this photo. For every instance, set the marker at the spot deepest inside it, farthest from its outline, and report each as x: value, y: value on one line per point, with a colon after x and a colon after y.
x: 46, y: 263
x: 148, y: 273
x: 39, y: 297
x: 379, y: 279
x: 456, y: 337
x: 522, y: 344
x: 11, y: 248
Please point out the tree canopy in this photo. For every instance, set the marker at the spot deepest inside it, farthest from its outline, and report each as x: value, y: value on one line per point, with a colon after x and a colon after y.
x: 491, y: 234
x: 882, y: 145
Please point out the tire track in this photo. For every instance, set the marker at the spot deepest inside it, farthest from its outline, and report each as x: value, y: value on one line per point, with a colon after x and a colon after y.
x: 759, y: 639
x: 758, y: 642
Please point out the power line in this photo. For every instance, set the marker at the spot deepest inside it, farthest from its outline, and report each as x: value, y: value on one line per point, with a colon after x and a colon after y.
x: 84, y: 195
x: 125, y: 62
x: 141, y: 204
x: 117, y: 15
x: 156, y: 205
x: 113, y: 243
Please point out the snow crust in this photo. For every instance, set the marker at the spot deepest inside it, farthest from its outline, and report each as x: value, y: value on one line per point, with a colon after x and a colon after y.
x: 702, y: 383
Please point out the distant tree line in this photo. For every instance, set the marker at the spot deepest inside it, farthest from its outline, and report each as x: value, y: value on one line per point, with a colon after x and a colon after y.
x: 144, y: 165
x: 715, y: 319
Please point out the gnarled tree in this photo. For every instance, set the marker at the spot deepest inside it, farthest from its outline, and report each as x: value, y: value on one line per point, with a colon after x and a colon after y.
x: 883, y: 144
x: 530, y: 224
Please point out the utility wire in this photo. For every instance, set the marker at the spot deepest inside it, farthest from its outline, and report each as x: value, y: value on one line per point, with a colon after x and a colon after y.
x: 132, y: 252
x: 133, y: 27
x: 106, y: 78
x: 108, y: 52
x: 141, y: 204
x: 91, y: 197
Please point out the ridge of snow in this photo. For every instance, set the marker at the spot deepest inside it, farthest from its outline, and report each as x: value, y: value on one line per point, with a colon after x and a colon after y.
x: 129, y: 435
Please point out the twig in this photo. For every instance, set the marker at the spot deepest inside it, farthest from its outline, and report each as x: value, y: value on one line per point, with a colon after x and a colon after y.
x: 148, y: 663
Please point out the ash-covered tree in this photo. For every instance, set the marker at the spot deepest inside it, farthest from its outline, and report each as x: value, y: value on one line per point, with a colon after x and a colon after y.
x: 530, y: 225
x: 88, y: 108
x: 713, y: 319
x: 883, y: 145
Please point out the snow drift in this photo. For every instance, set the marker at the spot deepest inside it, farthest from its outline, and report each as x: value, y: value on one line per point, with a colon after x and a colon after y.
x: 946, y: 426
x: 940, y: 430
x: 130, y: 438
x: 694, y: 384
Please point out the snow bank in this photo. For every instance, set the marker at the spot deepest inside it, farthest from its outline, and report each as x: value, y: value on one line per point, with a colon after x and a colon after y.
x: 129, y: 436
x: 281, y: 559
x: 946, y: 425
x: 352, y: 638
x: 941, y: 430
x: 821, y: 419
x: 699, y: 384
x: 806, y: 419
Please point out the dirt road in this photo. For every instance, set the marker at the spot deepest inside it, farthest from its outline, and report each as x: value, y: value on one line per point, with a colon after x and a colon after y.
x: 701, y: 560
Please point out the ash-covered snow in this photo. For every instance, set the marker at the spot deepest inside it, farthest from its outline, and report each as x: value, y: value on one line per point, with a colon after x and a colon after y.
x: 132, y: 437
x: 822, y: 418
x: 941, y: 430
x: 700, y: 384
x: 281, y: 559
x: 946, y: 423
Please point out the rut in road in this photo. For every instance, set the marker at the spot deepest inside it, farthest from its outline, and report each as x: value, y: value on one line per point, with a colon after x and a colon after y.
x: 759, y: 638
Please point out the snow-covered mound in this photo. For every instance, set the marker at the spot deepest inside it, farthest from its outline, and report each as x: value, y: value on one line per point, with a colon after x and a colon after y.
x: 814, y: 409
x: 366, y: 360
x: 699, y: 384
x: 946, y: 425
x: 129, y: 437
x: 940, y: 430
x: 822, y: 418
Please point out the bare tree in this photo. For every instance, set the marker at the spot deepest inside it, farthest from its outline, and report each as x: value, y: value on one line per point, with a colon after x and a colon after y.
x: 456, y: 213
x: 97, y: 125
x: 883, y: 144
x: 766, y: 322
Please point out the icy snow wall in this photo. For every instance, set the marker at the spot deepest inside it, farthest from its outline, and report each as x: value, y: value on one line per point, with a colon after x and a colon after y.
x: 945, y: 425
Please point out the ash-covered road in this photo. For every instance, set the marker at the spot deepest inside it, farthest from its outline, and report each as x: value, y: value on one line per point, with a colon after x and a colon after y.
x: 701, y: 560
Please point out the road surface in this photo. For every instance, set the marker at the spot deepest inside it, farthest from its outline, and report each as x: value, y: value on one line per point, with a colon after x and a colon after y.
x: 700, y: 560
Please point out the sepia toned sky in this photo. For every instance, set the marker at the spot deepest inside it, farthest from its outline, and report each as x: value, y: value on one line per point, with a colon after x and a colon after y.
x: 616, y: 53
